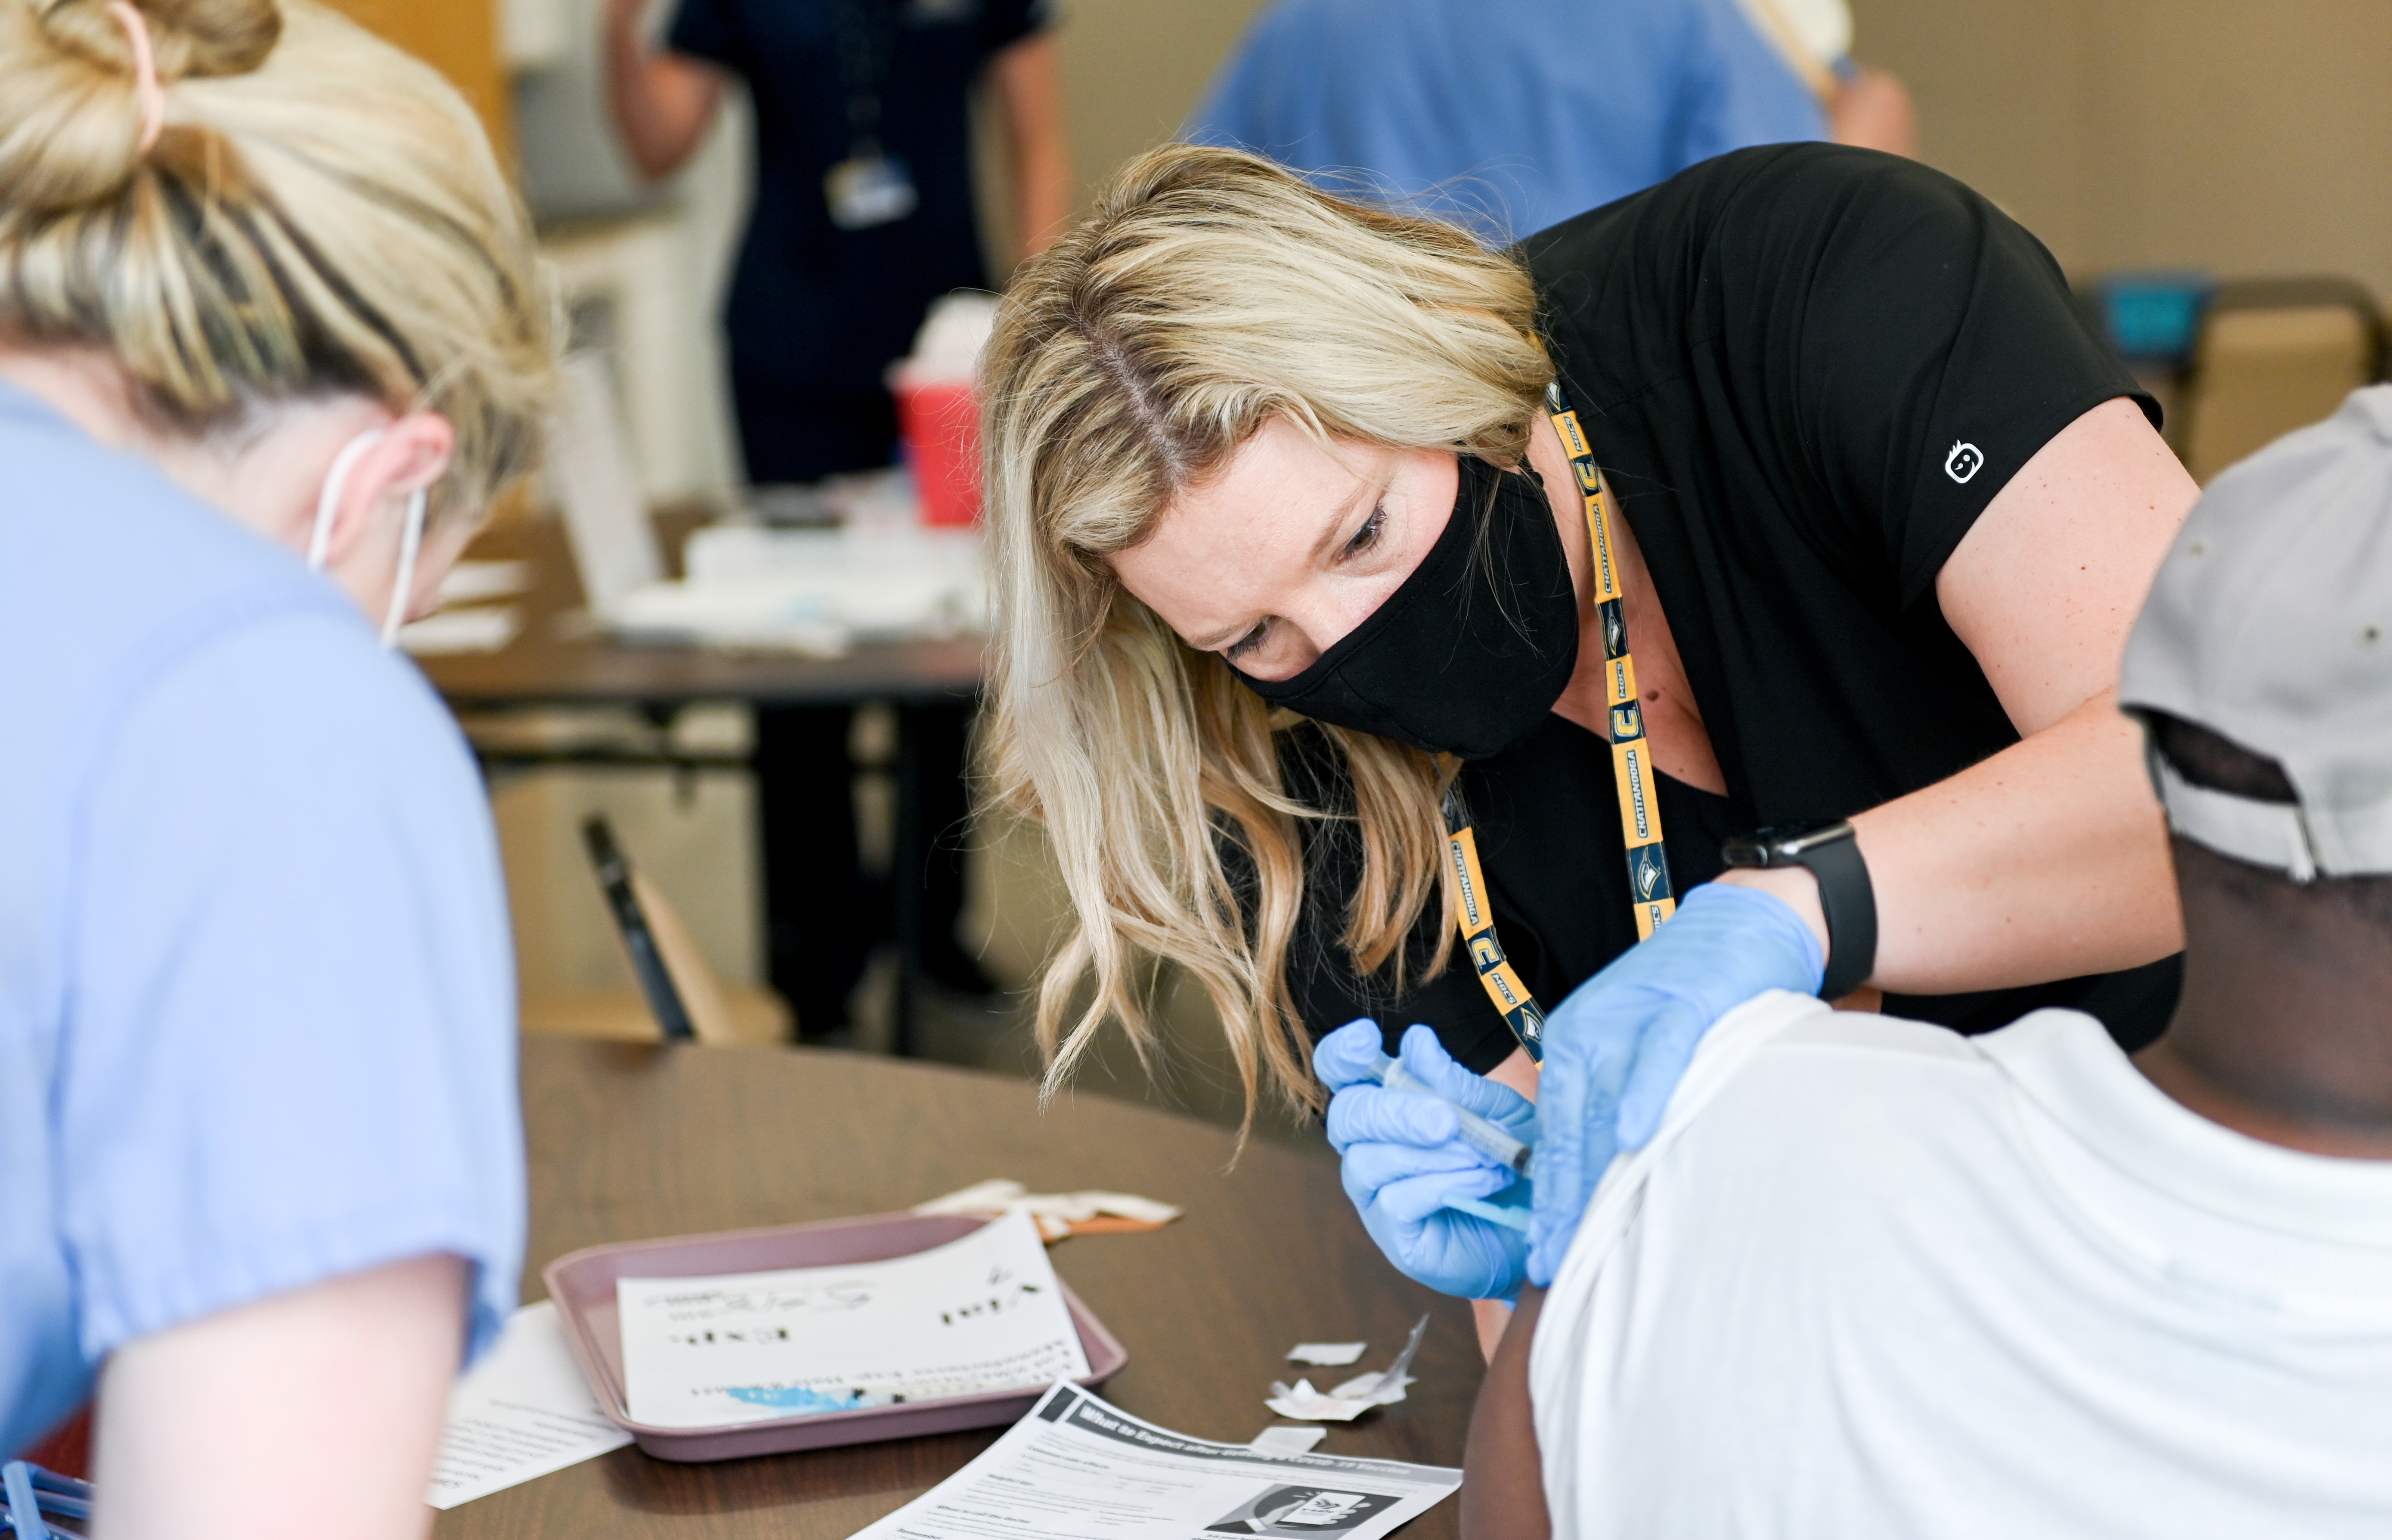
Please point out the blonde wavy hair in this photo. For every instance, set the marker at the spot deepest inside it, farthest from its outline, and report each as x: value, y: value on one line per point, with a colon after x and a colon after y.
x: 321, y: 213
x: 1207, y: 293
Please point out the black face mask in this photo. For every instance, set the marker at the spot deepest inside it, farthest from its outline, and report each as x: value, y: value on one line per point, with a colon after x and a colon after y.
x: 1471, y: 653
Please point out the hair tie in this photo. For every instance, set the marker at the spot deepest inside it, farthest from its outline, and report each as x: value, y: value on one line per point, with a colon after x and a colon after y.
x: 151, y: 94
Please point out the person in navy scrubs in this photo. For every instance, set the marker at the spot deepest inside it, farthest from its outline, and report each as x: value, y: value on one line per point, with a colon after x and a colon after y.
x: 863, y: 214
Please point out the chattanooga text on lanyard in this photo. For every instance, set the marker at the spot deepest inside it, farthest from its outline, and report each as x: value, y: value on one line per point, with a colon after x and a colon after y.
x: 1631, y: 773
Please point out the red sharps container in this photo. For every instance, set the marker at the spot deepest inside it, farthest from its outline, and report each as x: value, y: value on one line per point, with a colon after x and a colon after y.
x: 938, y: 411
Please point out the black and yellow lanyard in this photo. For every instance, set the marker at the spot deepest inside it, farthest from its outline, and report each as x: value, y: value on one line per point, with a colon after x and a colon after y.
x: 1631, y: 774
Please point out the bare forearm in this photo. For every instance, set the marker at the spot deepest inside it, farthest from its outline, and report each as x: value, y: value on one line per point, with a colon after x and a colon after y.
x: 2046, y: 861
x: 1029, y: 88
x: 1873, y: 110
x: 1504, y: 1482
x: 663, y: 103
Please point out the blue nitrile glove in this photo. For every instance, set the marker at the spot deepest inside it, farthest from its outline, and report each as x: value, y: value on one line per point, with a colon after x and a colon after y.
x: 1617, y: 1046
x: 1404, y: 1157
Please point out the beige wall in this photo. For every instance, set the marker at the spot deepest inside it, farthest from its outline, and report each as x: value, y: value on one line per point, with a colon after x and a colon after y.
x: 1132, y: 72
x: 2247, y: 136
x: 459, y: 38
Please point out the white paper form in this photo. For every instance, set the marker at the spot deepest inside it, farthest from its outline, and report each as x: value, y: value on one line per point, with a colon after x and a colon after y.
x: 979, y: 1314
x: 1077, y: 1469
x: 522, y: 1412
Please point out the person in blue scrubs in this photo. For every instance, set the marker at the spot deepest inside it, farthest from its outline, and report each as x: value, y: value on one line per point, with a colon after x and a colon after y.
x: 1512, y: 115
x: 261, y: 1169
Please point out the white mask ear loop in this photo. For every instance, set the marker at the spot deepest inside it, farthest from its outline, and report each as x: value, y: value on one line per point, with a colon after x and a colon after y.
x: 328, y: 504
x: 411, y: 540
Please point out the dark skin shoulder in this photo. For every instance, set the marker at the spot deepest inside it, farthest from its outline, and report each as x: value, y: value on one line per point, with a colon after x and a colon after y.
x: 1503, y: 1476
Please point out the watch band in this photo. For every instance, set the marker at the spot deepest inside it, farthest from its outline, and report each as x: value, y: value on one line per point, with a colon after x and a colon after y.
x: 1846, y: 896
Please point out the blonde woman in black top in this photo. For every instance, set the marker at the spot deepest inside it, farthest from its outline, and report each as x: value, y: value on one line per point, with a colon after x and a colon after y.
x: 1295, y: 579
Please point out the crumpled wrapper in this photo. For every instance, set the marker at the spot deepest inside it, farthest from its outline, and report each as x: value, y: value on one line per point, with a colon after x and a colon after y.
x: 1303, y: 1403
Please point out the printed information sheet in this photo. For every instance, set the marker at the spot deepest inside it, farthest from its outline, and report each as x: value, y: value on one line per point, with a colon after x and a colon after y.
x: 1077, y: 1469
x: 522, y: 1412
x: 980, y: 1313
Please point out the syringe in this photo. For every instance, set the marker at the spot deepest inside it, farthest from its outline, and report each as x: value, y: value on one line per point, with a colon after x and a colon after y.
x: 1477, y: 1132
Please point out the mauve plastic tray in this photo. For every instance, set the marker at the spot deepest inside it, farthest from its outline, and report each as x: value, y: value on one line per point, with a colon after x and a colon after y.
x: 583, y: 1286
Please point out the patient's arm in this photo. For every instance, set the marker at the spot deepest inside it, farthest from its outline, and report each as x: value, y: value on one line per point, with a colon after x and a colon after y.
x: 1503, y: 1480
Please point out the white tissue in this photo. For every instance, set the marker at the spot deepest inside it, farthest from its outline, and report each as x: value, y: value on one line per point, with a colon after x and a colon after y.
x: 1354, y: 1397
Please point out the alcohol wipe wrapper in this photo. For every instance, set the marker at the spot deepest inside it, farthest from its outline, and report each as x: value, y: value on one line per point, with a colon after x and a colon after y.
x: 1332, y: 1354
x: 1354, y: 1397
x: 980, y: 1313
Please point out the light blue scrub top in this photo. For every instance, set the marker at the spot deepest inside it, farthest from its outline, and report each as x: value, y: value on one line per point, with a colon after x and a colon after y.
x: 1511, y: 115
x: 257, y: 992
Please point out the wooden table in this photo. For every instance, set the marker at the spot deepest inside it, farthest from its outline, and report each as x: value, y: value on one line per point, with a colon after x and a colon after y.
x: 560, y: 658
x: 630, y: 1141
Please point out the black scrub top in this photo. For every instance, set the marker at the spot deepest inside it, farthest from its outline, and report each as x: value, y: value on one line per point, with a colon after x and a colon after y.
x: 1805, y: 371
x: 814, y: 308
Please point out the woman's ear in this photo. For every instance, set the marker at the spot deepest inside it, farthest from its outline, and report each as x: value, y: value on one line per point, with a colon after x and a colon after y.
x: 412, y: 453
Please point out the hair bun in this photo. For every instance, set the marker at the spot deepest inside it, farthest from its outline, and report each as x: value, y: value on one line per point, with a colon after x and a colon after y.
x: 200, y: 38
x: 69, y: 101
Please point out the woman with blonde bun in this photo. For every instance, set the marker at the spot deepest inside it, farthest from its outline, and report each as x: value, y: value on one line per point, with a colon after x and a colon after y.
x: 1718, y: 592
x: 271, y: 338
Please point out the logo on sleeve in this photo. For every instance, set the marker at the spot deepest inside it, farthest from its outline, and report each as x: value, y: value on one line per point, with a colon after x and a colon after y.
x: 1964, y: 460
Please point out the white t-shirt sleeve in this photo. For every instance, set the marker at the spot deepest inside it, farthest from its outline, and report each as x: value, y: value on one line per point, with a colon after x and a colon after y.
x: 290, y: 1041
x: 1566, y: 1351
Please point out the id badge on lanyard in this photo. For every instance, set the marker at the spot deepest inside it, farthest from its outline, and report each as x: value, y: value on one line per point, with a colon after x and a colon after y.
x: 871, y: 186
x: 868, y: 189
x: 1650, y: 896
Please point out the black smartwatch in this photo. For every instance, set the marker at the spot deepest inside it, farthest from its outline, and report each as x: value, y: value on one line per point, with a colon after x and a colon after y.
x: 1834, y: 857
